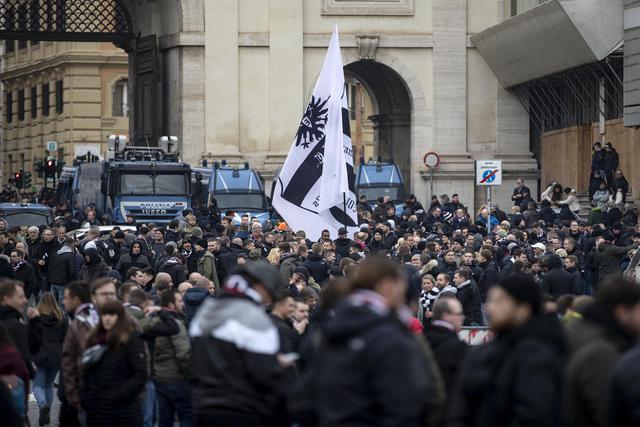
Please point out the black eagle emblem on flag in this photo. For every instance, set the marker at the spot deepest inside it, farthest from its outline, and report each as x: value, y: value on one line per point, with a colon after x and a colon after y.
x: 311, y: 129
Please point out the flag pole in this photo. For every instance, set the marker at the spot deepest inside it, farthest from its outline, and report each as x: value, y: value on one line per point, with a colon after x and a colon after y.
x: 344, y: 207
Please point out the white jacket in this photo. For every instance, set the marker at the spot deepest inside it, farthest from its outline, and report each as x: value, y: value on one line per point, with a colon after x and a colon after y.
x: 572, y: 201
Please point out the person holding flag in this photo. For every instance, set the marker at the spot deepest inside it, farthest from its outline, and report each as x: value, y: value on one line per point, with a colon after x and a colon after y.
x: 315, y: 189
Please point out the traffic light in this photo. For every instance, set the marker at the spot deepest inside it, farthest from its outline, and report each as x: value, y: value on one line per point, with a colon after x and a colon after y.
x: 26, y: 180
x: 38, y: 167
x: 18, y: 179
x: 50, y: 169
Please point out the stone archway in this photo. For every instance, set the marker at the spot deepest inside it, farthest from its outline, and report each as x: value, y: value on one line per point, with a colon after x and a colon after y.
x: 392, y: 105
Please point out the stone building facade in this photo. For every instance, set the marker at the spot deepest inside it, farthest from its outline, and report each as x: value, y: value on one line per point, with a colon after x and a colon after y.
x: 74, y: 93
x: 234, y: 77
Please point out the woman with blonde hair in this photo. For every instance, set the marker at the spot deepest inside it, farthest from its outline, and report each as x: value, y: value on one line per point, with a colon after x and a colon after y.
x: 47, y: 360
x: 274, y: 256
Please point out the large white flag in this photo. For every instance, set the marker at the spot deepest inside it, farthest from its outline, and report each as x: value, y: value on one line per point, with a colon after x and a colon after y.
x: 315, y: 189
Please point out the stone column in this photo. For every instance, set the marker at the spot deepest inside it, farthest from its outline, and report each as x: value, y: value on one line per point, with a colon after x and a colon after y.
x: 285, y: 72
x: 456, y: 171
x: 222, y: 109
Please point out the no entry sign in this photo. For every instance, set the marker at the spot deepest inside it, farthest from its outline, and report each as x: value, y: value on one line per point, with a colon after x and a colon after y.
x: 488, y: 172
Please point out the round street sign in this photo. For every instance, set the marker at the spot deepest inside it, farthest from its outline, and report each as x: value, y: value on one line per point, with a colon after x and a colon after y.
x: 431, y: 159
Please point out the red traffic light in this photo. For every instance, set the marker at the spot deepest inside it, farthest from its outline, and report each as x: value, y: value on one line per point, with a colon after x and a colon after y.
x: 17, y: 175
x: 49, y: 163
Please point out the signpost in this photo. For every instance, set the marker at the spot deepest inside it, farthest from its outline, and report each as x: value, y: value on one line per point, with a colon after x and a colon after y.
x: 52, y: 146
x: 431, y: 160
x: 488, y: 173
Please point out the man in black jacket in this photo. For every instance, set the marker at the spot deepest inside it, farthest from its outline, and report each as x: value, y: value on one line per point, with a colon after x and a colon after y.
x: 443, y: 336
x: 25, y: 273
x: 611, y: 162
x: 63, y: 269
x: 24, y: 336
x: 370, y: 370
x: 234, y: 346
x: 469, y: 296
x: 557, y: 281
x: 516, y: 379
x: 343, y: 243
x: 520, y: 192
x: 316, y: 264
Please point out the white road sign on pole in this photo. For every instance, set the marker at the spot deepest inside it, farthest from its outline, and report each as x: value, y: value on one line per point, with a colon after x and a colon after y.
x: 488, y: 172
x: 52, y: 146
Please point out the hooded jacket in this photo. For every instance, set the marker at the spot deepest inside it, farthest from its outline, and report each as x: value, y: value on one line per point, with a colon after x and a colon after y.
x: 193, y: 299
x: 207, y: 267
x: 95, y: 268
x: 52, y: 336
x: 174, y: 268
x: 63, y: 268
x: 607, y: 259
x: 129, y: 260
x: 370, y: 368
x: 233, y: 362
x: 317, y: 267
x: 342, y: 246
x: 515, y: 380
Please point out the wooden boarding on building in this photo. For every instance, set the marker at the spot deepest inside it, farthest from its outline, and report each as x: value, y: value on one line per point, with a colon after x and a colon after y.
x: 566, y: 154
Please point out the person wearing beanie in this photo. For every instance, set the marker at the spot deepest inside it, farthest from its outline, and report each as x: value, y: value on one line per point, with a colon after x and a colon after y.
x: 522, y: 366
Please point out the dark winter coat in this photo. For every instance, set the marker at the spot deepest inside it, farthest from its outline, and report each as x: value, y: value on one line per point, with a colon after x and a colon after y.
x: 111, y: 390
x: 558, y: 281
x: 370, y: 370
x: 193, y: 299
x: 342, y: 246
x: 515, y: 380
x: 596, y: 341
x: 226, y: 259
x: 487, y: 278
x: 288, y: 335
x: 621, y: 184
x: 234, y: 372
x: 469, y: 297
x: 288, y: 264
x: 623, y: 408
x: 24, y: 336
x: 51, y: 339
x: 64, y: 267
x: 597, y: 160
x: 608, y: 259
x: 611, y: 160
x: 317, y: 267
x: 129, y: 260
x: 449, y: 352
x: 173, y: 267
x: 47, y: 252
x: 6, y: 270
x: 27, y: 275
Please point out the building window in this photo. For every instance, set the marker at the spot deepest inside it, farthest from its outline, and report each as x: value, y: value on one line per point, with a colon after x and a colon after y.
x: 9, y: 46
x: 120, y: 107
x: 45, y: 100
x: 21, y: 105
x: 9, y: 110
x: 59, y: 97
x: 34, y: 102
x: 22, y: 25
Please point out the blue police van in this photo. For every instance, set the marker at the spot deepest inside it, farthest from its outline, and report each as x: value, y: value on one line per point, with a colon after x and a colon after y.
x: 238, y: 190
x: 379, y: 179
x: 26, y: 214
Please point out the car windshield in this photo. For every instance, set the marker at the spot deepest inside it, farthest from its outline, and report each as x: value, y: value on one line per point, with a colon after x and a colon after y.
x: 232, y: 201
x: 18, y: 219
x: 372, y: 193
x: 166, y: 184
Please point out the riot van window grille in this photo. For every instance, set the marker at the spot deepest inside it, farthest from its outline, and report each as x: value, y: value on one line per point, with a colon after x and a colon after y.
x: 143, y: 184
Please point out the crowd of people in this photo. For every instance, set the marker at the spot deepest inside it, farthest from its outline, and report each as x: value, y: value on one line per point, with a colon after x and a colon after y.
x: 208, y: 322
